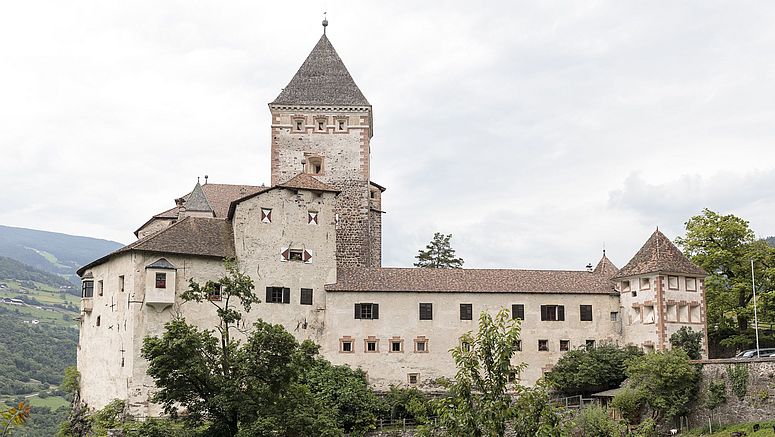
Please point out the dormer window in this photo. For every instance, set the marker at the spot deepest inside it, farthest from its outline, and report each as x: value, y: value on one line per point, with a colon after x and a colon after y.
x: 314, y: 165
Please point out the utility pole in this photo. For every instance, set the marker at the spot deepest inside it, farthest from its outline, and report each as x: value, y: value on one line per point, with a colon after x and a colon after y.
x: 755, y: 315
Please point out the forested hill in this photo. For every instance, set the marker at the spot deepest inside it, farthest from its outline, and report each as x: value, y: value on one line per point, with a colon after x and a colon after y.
x: 52, y: 252
x: 12, y: 269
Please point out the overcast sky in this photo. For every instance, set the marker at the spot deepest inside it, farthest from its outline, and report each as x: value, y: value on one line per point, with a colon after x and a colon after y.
x: 534, y: 132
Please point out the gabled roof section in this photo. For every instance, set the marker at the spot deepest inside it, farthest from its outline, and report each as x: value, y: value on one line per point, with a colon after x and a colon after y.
x: 659, y: 254
x: 380, y: 187
x: 161, y: 263
x: 606, y: 268
x: 322, y: 80
x: 197, y: 201
x: 470, y: 281
x: 197, y: 236
x: 304, y: 181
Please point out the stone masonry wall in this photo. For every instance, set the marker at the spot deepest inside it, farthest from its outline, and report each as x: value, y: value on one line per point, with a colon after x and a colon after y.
x: 758, y: 402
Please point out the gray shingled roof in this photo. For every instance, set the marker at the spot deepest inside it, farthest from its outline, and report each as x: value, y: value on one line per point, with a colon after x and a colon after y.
x: 197, y: 201
x: 161, y: 263
x: 322, y: 80
x: 659, y: 255
x: 470, y: 280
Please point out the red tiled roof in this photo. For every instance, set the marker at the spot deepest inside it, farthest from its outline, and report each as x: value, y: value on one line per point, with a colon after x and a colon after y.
x: 305, y: 181
x: 469, y: 280
x: 659, y: 254
x: 606, y: 268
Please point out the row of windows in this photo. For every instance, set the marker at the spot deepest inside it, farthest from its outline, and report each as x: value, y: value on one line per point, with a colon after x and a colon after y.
x: 548, y: 312
x: 673, y: 283
x: 87, y: 287
x: 283, y: 295
x: 543, y: 345
x: 321, y: 124
x: 371, y: 345
x: 266, y: 216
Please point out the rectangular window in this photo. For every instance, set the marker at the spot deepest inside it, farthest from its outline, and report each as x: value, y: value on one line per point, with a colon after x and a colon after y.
x: 396, y: 345
x: 564, y: 345
x: 585, y: 311
x: 421, y: 345
x: 214, y: 292
x: 465, y: 346
x: 466, y: 311
x: 413, y: 378
x: 634, y: 293
x: 87, y: 289
x: 266, y: 215
x: 691, y: 284
x: 426, y: 311
x: 672, y: 282
x: 298, y: 124
x: 121, y: 283
x: 367, y: 311
x: 645, y: 283
x: 161, y: 280
x: 372, y: 346
x: 278, y: 295
x: 518, y: 311
x: 552, y: 313
x: 346, y: 346
x: 590, y: 344
x: 306, y: 296
x: 625, y: 285
x: 100, y: 287
x: 614, y: 316
x: 518, y: 346
x: 296, y: 255
x: 543, y: 345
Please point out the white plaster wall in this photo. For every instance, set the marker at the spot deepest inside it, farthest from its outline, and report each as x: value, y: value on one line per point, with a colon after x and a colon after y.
x: 399, y: 316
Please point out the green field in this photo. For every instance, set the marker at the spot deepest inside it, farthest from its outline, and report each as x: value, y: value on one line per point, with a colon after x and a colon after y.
x: 52, y: 402
x: 725, y: 431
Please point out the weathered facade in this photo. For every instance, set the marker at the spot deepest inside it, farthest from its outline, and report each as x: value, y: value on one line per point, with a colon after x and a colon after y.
x: 311, y: 242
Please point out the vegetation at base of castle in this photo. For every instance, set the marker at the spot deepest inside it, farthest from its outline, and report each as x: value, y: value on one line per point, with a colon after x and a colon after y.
x: 595, y: 421
x: 724, y: 245
x: 587, y: 371
x: 667, y: 381
x: 407, y: 403
x: 738, y: 377
x: 629, y: 403
x: 439, y: 254
x: 717, y: 394
x: 484, y: 399
x: 689, y: 340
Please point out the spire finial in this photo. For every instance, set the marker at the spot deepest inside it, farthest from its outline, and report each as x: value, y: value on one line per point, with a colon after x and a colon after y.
x: 325, y: 23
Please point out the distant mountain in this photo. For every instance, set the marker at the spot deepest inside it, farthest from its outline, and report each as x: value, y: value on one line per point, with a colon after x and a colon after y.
x: 770, y: 241
x: 52, y: 252
x: 12, y: 269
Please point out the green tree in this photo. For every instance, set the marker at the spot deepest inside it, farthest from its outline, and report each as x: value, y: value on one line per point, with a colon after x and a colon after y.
x: 667, y: 380
x: 724, y: 245
x: 587, y: 371
x: 78, y: 423
x: 484, y: 397
x: 689, y: 340
x: 439, y: 254
x: 630, y: 403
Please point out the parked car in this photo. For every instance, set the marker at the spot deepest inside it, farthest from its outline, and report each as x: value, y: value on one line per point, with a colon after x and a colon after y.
x: 746, y: 355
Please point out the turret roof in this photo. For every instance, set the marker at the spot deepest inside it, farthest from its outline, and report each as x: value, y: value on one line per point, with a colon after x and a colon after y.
x: 659, y: 254
x: 322, y: 80
x: 606, y: 268
x: 197, y: 201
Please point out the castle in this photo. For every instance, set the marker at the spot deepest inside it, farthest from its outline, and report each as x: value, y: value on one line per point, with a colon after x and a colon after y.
x: 311, y: 242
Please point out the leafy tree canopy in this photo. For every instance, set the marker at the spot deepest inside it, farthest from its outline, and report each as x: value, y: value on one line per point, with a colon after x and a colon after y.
x: 689, y: 340
x: 667, y: 381
x: 724, y: 246
x: 439, y: 254
x: 587, y: 371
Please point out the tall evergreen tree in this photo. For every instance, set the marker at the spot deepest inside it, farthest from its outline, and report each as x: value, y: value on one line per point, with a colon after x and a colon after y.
x: 439, y: 254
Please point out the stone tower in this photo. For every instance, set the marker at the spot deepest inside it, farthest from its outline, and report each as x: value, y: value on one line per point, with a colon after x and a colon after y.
x: 322, y: 126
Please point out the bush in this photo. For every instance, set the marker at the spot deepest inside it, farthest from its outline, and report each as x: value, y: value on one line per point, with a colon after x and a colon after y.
x: 595, y: 421
x: 630, y: 403
x: 593, y: 370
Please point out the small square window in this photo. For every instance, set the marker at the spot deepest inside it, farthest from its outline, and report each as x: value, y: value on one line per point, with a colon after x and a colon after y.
x: 672, y: 282
x: 314, y: 165
x: 691, y: 284
x: 298, y: 124
x: 161, y: 280
x: 645, y: 283
x: 625, y: 286
x: 214, y: 292
x: 466, y: 311
x: 396, y: 345
x: 413, y: 378
x: 590, y: 344
x: 543, y: 345
x: 372, y: 346
x: 341, y: 124
x: 306, y: 296
x: 564, y: 345
x: 421, y: 345
x: 295, y: 255
x: 465, y: 346
x: 346, y: 345
x: 634, y: 293
x: 518, y: 346
x: 426, y: 311
x: 614, y: 316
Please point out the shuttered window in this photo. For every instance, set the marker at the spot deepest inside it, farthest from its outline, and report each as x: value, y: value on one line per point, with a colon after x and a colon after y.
x: 466, y: 311
x: 552, y: 313
x: 518, y: 311
x: 306, y: 296
x: 366, y: 311
x: 426, y: 311
x: 585, y: 312
x: 278, y: 295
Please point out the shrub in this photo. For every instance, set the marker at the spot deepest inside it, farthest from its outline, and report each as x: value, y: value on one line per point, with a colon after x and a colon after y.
x: 630, y: 403
x: 595, y: 421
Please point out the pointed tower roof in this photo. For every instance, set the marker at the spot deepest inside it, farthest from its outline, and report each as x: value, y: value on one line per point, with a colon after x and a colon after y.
x: 197, y: 201
x: 659, y: 254
x: 322, y: 80
x: 606, y: 268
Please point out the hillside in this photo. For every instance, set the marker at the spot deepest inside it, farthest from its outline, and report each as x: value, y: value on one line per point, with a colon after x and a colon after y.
x: 60, y: 254
x: 770, y: 241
